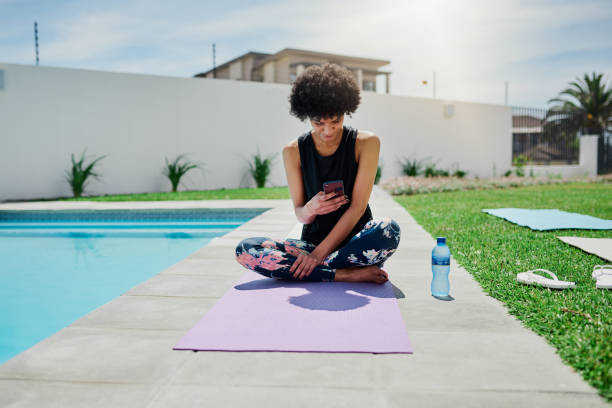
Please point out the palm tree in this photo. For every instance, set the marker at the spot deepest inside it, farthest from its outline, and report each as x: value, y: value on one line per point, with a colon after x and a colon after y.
x: 592, y: 104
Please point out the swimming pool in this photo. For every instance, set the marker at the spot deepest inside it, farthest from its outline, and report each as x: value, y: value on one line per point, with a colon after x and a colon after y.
x: 56, y: 266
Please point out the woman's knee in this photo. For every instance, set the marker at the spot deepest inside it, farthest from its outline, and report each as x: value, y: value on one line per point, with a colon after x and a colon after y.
x: 241, y: 252
x: 243, y: 255
x: 395, y: 231
x: 243, y: 246
x: 254, y: 254
x: 388, y: 228
x: 254, y: 243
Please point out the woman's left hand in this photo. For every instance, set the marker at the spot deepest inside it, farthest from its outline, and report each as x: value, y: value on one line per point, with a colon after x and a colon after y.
x: 304, y: 264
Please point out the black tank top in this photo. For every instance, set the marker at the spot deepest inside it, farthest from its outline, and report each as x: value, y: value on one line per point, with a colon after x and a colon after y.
x: 316, y: 170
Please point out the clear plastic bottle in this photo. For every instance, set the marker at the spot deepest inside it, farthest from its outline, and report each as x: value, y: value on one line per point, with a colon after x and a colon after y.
x: 440, y: 267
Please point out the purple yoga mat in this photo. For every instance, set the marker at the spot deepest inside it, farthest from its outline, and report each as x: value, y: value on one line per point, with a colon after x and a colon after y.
x: 264, y: 314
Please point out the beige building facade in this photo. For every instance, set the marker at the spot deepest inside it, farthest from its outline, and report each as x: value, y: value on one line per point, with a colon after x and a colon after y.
x: 286, y: 65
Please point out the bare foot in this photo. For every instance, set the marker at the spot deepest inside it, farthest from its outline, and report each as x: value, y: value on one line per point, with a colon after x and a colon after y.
x: 370, y: 273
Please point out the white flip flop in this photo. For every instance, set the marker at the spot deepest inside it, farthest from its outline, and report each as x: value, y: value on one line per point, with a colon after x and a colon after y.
x: 603, y: 275
x: 530, y: 278
x: 599, y: 270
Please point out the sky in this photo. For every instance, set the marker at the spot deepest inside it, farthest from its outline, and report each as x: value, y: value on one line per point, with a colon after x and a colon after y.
x: 473, y: 46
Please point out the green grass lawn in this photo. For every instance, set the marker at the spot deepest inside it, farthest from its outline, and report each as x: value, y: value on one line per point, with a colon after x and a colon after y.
x: 267, y: 193
x: 578, y: 322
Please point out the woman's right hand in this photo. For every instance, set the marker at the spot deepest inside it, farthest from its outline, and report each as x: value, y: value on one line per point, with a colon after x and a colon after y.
x: 323, y: 203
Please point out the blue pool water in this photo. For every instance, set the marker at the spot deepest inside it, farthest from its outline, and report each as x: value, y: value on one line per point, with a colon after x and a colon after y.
x: 57, y: 266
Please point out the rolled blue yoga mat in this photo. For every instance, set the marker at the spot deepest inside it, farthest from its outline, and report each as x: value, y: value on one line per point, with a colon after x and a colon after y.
x: 542, y: 220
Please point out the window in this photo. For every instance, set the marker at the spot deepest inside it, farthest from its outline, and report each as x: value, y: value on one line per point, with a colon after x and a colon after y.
x: 369, y: 85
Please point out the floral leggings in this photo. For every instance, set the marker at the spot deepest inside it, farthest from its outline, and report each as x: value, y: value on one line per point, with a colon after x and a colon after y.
x: 371, y: 246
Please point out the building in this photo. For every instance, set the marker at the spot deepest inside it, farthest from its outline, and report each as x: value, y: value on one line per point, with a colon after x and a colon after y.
x: 284, y: 66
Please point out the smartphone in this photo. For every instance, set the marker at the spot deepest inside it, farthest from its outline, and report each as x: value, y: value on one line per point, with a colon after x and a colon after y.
x: 336, y: 186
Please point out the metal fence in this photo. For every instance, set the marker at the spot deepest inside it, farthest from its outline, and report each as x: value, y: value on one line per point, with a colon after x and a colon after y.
x: 604, y: 154
x: 543, y: 136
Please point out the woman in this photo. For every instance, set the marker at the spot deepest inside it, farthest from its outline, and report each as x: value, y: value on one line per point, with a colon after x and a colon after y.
x: 340, y: 241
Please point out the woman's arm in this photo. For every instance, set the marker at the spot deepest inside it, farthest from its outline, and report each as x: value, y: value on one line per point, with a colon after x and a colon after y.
x: 367, y: 150
x: 321, y: 203
x: 293, y: 170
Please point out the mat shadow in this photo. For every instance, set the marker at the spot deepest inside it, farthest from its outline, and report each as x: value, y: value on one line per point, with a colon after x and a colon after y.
x: 336, y: 296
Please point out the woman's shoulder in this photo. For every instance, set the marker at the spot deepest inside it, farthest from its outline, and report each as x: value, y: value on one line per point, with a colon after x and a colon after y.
x: 366, y: 141
x: 292, y: 144
x: 291, y: 150
x: 365, y: 137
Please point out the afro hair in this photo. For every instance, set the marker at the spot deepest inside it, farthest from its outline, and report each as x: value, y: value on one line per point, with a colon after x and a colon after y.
x: 324, y: 92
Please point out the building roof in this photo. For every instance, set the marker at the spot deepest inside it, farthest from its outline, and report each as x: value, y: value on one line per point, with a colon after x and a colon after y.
x: 256, y: 55
x: 519, y: 121
x: 261, y: 58
x: 287, y: 51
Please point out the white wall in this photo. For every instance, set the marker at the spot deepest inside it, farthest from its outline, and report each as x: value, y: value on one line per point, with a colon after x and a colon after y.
x: 476, y: 138
x: 48, y: 113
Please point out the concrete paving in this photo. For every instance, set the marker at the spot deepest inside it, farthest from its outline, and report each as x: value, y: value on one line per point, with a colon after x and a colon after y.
x: 468, y: 352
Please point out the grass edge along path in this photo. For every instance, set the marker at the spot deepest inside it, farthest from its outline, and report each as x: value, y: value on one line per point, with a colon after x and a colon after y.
x: 266, y: 193
x: 577, y: 322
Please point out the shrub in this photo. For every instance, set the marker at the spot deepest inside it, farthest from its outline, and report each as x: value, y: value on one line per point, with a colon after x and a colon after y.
x: 79, y: 173
x: 418, y: 185
x: 519, y: 162
x: 456, y: 172
x: 176, y: 170
x: 411, y: 167
x: 261, y: 167
x: 432, y: 171
x: 378, y: 172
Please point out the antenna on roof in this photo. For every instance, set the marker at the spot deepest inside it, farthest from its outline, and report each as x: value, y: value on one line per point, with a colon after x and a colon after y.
x: 434, y: 84
x: 36, y: 40
x: 214, y: 63
x: 506, y: 93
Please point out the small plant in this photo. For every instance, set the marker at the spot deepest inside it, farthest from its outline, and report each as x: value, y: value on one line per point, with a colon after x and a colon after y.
x: 411, y: 167
x: 531, y: 172
x: 176, y: 170
x: 261, y: 167
x: 79, y: 173
x: 508, y: 173
x: 432, y: 171
x: 456, y: 172
x: 378, y: 172
x: 459, y: 173
x: 519, y: 162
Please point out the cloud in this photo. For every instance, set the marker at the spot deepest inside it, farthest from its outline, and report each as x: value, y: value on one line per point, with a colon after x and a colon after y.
x: 93, y: 36
x: 468, y: 44
x: 473, y: 45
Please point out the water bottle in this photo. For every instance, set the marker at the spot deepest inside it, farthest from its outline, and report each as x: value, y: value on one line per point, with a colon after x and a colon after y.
x: 440, y: 267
